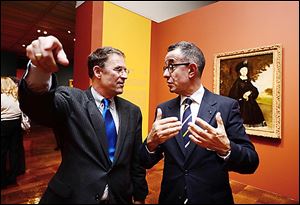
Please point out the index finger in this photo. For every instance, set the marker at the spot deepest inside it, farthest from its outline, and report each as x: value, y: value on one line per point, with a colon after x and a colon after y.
x: 158, y: 114
x: 204, y: 125
x: 51, y: 43
x: 219, y: 121
x: 168, y: 120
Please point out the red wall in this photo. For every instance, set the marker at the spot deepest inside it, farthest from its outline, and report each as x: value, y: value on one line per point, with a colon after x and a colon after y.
x: 19, y: 73
x: 88, y: 32
x: 229, y: 26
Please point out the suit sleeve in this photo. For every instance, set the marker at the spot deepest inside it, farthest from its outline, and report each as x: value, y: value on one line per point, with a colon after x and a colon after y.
x: 148, y: 160
x: 138, y: 173
x: 38, y: 106
x: 243, y: 158
x: 45, y: 108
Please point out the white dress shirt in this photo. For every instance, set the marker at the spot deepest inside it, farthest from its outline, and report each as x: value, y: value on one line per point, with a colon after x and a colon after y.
x: 112, y: 106
x: 196, y: 97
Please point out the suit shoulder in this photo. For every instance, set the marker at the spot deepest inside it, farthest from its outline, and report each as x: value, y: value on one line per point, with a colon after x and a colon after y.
x: 223, y: 100
x: 70, y: 92
x: 169, y: 102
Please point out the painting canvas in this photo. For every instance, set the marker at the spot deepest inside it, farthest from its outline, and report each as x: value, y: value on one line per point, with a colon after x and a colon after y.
x: 253, y: 78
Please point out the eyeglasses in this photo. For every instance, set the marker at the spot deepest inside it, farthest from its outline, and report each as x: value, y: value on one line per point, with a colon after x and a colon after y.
x: 171, y: 67
x: 120, y: 70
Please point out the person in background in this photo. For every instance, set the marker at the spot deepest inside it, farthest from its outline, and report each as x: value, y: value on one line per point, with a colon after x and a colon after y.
x: 21, y: 150
x: 11, y: 132
x: 100, y: 133
x: 199, y: 134
x: 246, y: 93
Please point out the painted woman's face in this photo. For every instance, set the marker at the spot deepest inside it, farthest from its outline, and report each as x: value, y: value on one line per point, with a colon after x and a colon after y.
x: 244, y: 71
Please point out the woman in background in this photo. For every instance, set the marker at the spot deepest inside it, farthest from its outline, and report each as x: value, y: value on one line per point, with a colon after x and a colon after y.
x: 21, y: 150
x: 11, y: 131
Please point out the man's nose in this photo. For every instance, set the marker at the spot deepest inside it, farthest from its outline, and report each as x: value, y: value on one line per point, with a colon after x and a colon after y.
x: 166, y: 73
x: 124, y: 75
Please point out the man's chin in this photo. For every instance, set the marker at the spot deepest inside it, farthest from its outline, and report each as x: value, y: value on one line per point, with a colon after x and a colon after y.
x: 119, y: 91
x: 172, y: 90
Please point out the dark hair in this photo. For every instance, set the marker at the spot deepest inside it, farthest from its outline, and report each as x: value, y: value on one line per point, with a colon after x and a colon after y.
x: 241, y: 65
x: 191, y: 52
x: 100, y: 56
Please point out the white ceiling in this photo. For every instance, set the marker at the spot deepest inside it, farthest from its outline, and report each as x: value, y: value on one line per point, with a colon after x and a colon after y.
x: 159, y: 11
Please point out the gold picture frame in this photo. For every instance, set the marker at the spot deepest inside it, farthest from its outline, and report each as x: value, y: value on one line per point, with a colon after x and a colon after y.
x: 261, y: 77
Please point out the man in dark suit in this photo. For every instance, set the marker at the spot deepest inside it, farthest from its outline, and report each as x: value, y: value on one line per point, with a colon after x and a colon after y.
x: 199, y: 134
x: 93, y: 170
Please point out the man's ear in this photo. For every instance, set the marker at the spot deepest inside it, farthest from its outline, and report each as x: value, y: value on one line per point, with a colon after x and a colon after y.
x: 192, y: 70
x: 97, y: 71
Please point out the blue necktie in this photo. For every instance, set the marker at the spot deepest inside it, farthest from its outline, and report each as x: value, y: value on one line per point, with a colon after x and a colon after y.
x: 186, y: 118
x: 110, y: 128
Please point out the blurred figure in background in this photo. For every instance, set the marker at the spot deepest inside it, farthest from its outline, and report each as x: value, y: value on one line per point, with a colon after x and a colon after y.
x: 11, y: 132
x: 21, y: 150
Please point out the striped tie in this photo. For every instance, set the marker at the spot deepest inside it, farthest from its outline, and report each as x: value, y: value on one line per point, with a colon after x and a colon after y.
x: 186, y: 118
x: 110, y: 128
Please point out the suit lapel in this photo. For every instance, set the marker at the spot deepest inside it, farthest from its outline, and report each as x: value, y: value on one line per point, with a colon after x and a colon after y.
x: 206, y: 112
x: 174, y: 110
x: 123, y: 118
x: 98, y: 124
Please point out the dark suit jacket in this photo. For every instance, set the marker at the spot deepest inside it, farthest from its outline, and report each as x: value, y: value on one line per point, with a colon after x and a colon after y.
x: 85, y: 168
x: 199, y: 173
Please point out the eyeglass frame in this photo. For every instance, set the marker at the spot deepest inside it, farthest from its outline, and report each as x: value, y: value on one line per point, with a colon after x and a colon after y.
x: 173, y: 66
x: 120, y: 70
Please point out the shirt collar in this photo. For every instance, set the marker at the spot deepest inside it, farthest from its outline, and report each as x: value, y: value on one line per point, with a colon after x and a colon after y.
x: 98, y: 99
x: 196, y: 96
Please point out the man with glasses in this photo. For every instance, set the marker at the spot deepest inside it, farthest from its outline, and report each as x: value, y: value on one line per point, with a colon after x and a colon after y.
x: 199, y: 134
x: 100, y: 133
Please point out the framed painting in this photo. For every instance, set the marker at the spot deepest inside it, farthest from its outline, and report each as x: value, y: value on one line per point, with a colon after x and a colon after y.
x: 253, y: 77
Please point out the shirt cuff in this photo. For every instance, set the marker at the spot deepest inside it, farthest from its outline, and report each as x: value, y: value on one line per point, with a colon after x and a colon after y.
x: 37, y: 80
x: 153, y: 152
x: 226, y: 156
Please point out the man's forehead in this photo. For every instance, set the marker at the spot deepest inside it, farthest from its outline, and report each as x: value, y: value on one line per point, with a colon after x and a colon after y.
x: 173, y: 55
x: 114, y: 58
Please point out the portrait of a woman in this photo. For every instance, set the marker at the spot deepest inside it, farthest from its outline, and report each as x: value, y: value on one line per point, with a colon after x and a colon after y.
x: 246, y: 93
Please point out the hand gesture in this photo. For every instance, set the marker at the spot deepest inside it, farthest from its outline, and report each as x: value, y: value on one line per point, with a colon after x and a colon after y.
x: 162, y: 130
x: 209, y: 137
x: 46, y: 52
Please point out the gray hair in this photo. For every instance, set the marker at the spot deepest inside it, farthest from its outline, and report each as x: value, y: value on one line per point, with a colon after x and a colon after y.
x: 191, y: 53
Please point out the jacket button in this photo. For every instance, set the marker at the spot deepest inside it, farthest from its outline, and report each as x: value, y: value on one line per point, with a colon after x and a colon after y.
x: 186, y: 172
x: 97, y: 197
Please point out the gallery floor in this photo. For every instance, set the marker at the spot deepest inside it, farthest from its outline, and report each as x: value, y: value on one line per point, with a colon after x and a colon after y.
x: 42, y: 160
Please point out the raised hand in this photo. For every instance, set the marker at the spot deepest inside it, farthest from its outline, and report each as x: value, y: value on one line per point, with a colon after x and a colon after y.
x: 204, y: 135
x: 162, y: 130
x: 46, y: 52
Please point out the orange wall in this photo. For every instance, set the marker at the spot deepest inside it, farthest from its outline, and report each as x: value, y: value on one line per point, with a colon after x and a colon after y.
x: 229, y: 26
